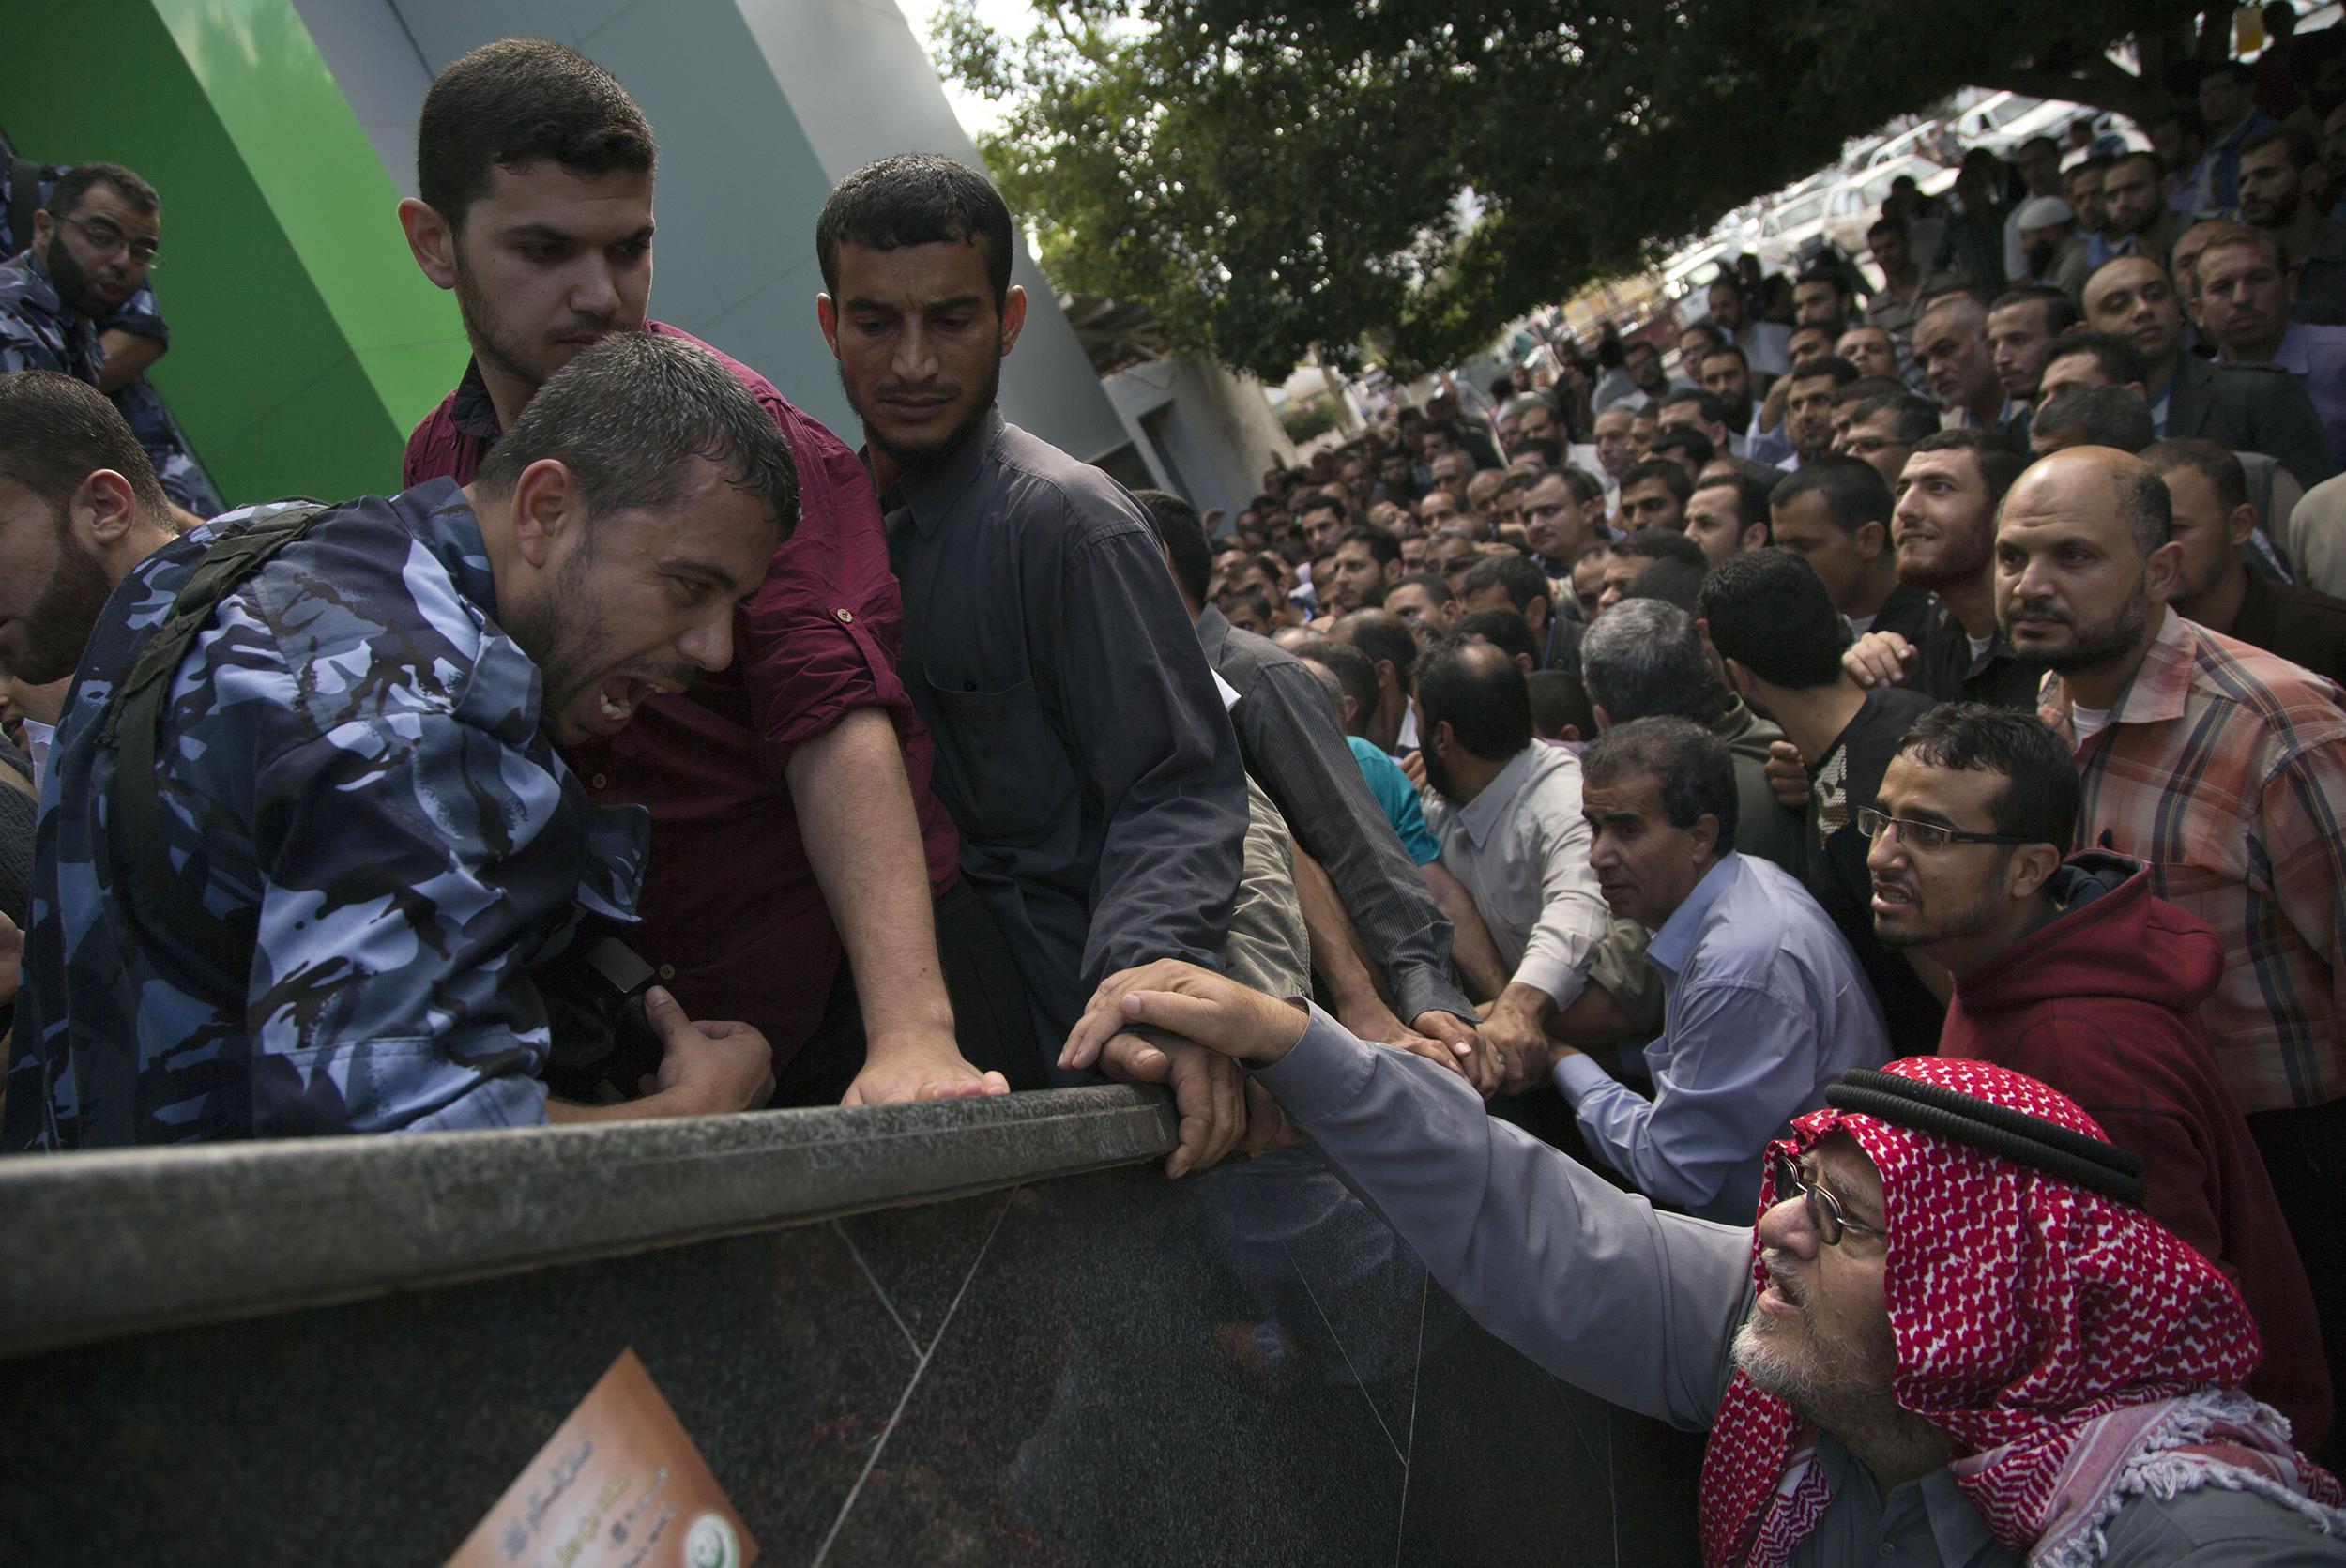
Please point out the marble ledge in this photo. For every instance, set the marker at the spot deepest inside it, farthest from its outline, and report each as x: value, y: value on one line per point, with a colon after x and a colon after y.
x: 105, y: 1245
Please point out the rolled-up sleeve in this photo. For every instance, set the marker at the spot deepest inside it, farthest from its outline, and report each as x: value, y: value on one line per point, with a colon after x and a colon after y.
x: 1740, y: 1062
x: 1161, y: 759
x: 1573, y: 913
x: 822, y: 634
x: 1636, y: 1307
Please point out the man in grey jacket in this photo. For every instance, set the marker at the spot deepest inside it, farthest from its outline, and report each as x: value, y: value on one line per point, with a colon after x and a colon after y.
x: 1933, y: 1349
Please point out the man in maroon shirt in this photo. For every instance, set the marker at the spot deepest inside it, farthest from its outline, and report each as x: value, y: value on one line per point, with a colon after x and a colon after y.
x: 793, y: 822
x: 2074, y: 974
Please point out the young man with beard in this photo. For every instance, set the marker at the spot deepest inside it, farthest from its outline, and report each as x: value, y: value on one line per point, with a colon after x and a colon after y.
x: 1927, y: 1324
x: 86, y: 259
x: 1945, y: 526
x: 802, y: 868
x: 2068, y: 969
x: 1834, y: 515
x: 2244, y: 297
x: 334, y: 926
x: 2214, y: 586
x: 1082, y: 745
x: 2223, y: 769
x: 2279, y: 174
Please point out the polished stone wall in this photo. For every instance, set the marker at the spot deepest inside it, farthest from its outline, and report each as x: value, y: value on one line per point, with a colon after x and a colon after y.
x: 1105, y: 1368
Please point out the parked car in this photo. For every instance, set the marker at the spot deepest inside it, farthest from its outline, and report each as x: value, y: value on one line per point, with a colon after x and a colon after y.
x: 1851, y: 208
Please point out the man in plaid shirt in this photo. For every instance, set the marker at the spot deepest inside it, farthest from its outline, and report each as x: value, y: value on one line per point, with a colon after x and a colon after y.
x: 2221, y: 766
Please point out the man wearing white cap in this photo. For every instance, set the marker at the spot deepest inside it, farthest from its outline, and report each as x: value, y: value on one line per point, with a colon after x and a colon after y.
x: 2055, y: 252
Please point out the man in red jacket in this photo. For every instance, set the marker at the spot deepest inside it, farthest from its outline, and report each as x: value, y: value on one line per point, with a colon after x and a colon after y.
x: 2074, y: 973
x: 793, y: 822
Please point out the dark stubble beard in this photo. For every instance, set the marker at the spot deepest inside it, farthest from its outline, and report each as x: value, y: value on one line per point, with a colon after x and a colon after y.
x: 60, y: 622
x: 74, y: 289
x: 929, y: 458
x: 2097, y: 647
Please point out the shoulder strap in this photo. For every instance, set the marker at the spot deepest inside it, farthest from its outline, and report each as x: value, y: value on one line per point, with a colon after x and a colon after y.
x: 163, y: 900
x: 23, y: 201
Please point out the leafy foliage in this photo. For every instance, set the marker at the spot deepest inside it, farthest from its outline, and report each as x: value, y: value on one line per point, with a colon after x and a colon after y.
x: 1274, y: 177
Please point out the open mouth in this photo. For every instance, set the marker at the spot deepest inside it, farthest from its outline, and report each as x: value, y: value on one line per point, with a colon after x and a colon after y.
x: 1890, y: 897
x: 617, y: 698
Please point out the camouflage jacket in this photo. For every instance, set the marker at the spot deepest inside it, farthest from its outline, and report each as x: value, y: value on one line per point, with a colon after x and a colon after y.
x: 38, y: 333
x: 353, y: 769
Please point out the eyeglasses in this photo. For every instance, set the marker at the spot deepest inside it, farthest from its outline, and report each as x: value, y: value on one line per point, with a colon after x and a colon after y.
x: 109, y: 239
x: 1823, y: 1209
x: 1926, y: 836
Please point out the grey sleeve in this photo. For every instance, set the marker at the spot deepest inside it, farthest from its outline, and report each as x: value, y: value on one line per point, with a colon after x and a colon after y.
x: 1636, y: 1307
x: 1158, y: 756
x: 1267, y: 947
x: 1295, y: 749
x: 2214, y: 1526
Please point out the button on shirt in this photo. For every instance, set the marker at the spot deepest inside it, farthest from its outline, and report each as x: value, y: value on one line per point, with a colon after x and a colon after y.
x: 2223, y: 769
x: 1764, y: 1005
x: 352, y: 760
x: 1521, y: 848
x: 1081, y: 745
x: 731, y: 901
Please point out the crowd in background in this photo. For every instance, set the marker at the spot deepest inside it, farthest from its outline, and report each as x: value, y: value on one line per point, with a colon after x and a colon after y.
x: 1938, y: 675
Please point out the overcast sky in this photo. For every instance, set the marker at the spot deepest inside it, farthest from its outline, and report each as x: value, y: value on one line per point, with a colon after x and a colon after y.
x: 1010, y: 17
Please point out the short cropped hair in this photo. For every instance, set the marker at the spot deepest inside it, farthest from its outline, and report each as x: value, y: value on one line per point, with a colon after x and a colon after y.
x: 1504, y: 629
x: 1661, y: 544
x: 1518, y: 574
x: 629, y: 416
x: 2118, y: 358
x: 1695, y: 446
x: 1184, y: 537
x: 2101, y: 416
x: 1751, y: 497
x: 2060, y: 311
x: 1644, y: 657
x: 1352, y: 669
x: 1917, y: 416
x: 516, y: 101
x: 916, y: 197
x: 1770, y: 612
x: 1693, y: 768
x: 76, y: 182
x: 1854, y: 492
x: 55, y: 430
x: 2039, y: 800
x: 2219, y: 465
x: 1485, y: 701
x: 1560, y: 702
x: 1998, y: 459
x: 1672, y: 475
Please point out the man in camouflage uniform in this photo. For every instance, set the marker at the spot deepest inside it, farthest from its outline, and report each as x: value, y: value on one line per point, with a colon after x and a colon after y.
x: 83, y: 275
x: 357, y: 778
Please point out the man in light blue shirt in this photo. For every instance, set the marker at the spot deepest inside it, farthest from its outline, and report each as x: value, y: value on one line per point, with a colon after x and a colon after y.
x: 2244, y: 300
x: 1764, y: 1003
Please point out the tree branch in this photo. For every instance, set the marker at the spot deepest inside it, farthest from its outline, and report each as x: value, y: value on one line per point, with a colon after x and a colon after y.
x: 2119, y: 91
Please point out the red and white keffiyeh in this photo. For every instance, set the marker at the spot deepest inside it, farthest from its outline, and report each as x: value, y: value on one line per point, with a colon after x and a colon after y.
x: 2074, y: 1350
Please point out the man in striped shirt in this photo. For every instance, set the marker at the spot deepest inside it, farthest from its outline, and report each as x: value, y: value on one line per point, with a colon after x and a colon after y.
x: 2223, y: 769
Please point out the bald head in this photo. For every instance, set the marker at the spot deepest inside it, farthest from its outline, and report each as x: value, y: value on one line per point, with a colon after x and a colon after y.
x: 2116, y: 493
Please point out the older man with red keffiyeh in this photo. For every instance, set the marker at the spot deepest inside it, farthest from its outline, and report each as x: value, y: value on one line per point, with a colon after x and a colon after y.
x: 1953, y: 1336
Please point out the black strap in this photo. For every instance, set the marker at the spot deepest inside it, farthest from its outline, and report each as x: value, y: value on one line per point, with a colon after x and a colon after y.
x: 2029, y: 1140
x: 163, y: 900
x: 23, y: 201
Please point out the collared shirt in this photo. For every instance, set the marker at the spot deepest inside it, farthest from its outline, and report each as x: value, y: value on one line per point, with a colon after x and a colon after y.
x: 1521, y: 848
x: 1081, y: 746
x: 2316, y: 355
x: 1640, y: 1307
x: 1953, y: 668
x: 1288, y: 737
x: 352, y: 754
x: 38, y: 333
x: 1764, y: 1005
x: 2223, y: 769
x: 733, y: 917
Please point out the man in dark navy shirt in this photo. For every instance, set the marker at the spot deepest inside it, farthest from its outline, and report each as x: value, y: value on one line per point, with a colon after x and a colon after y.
x: 1081, y: 744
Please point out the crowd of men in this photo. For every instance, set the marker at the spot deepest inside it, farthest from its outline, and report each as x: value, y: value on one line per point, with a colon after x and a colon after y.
x: 1884, y: 777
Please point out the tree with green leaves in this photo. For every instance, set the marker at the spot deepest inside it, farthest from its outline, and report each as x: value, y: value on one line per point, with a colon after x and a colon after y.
x: 1274, y: 179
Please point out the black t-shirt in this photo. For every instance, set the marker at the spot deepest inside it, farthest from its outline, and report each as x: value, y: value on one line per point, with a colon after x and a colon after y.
x: 1845, y: 781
